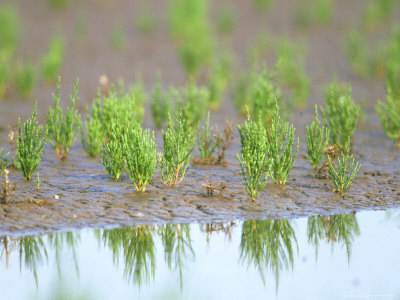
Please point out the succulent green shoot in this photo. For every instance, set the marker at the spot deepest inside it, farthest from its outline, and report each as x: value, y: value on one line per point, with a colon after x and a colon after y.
x: 37, y: 181
x: 206, y: 140
x: 25, y: 80
x: 161, y: 105
x: 341, y: 177
x: 53, y: 60
x: 4, y: 162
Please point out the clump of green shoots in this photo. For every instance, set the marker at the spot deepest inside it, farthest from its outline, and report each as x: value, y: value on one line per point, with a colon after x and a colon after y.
x: 343, y: 176
x: 243, y: 90
x: 358, y: 53
x: 218, y: 81
x: 93, y: 133
x: 161, y: 105
x: 389, y: 113
x: 53, y: 60
x: 262, y: 4
x: 9, y: 30
x: 254, y: 163
x: 207, y: 141
x: 25, y: 80
x: 112, y: 152
x: 340, y: 115
x: 30, y: 142
x: 118, y: 37
x: 280, y: 140
x: 140, y: 156
x: 3, y: 162
x: 178, y: 147
x: 226, y: 20
x: 318, y: 12
x: 146, y: 21
x: 317, y: 141
x: 6, y: 68
x: 378, y: 11
x: 63, y: 128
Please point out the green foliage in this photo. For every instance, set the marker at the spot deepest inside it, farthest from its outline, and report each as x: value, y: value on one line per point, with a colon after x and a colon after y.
x: 206, y: 140
x: 37, y: 181
x: 6, y: 69
x: 63, y: 128
x: 341, y: 114
x: 118, y: 37
x: 377, y: 11
x: 262, y: 4
x: 161, y: 105
x: 341, y: 177
x: 318, y: 12
x: 93, y: 133
x: 280, y: 139
x: 389, y: 113
x: 178, y: 147
x: 226, y: 20
x: 58, y: 4
x: 358, y: 53
x: 140, y: 154
x: 112, y: 152
x: 219, y: 77
x: 25, y: 80
x: 243, y: 90
x: 387, y: 60
x: 145, y: 21
x: 53, y: 60
x: 30, y: 143
x: 3, y: 162
x: 254, y: 164
x: 317, y: 141
x: 9, y: 29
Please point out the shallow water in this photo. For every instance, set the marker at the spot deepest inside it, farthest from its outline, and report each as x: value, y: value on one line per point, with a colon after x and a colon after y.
x: 330, y: 257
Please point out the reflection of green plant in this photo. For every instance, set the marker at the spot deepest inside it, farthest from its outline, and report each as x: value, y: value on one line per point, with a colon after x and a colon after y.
x: 206, y: 140
x: 268, y: 244
x: 140, y: 155
x: 335, y: 229
x: 52, y: 61
x: 112, y: 151
x: 389, y: 113
x: 25, y: 80
x: 161, y: 105
x: 317, y: 141
x: 339, y: 176
x: 280, y: 139
x: 138, y: 250
x: 30, y: 143
x: 340, y: 115
x: 63, y: 128
x: 255, y: 166
x: 178, y: 147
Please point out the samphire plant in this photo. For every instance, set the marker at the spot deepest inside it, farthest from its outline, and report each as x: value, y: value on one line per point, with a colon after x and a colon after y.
x: 280, y: 140
x: 3, y: 162
x: 53, y: 60
x: 9, y: 29
x: 30, y: 142
x: 340, y: 114
x: 63, y: 129
x: 218, y: 80
x: 389, y: 114
x: 140, y: 154
x: 206, y: 140
x: 178, y: 147
x: 317, y: 141
x: 161, y: 105
x: 112, y: 151
x: 254, y: 163
x: 25, y: 80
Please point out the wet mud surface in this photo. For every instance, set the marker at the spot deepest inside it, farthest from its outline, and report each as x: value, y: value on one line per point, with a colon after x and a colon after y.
x: 78, y: 192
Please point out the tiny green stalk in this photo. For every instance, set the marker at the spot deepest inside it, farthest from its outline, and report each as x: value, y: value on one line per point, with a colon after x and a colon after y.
x: 341, y: 178
x: 37, y: 181
x: 178, y: 147
x: 140, y: 156
x: 206, y: 140
x: 253, y: 160
x: 317, y: 141
x: 30, y: 142
x: 63, y: 128
x: 112, y: 151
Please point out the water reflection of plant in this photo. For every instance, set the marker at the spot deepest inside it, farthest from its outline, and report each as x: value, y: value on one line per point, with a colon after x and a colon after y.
x: 268, y: 244
x: 177, y: 244
x: 138, y: 249
x: 338, y: 229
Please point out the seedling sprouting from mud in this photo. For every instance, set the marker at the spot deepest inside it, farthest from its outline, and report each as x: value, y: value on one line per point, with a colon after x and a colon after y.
x: 389, y: 114
x: 161, y: 105
x: 280, y: 140
x: 254, y: 163
x: 317, y: 141
x: 30, y: 142
x: 63, y: 129
x: 52, y: 61
x: 343, y: 176
x: 112, y: 151
x: 178, y: 147
x: 25, y: 80
x: 206, y: 140
x: 93, y: 134
x: 37, y: 181
x: 340, y: 115
x: 140, y: 156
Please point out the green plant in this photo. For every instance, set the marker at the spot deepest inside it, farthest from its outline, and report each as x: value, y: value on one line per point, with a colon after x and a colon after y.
x: 340, y: 176
x: 25, y: 80
x: 145, y: 21
x: 161, y: 105
x: 243, y: 90
x: 9, y: 29
x: 3, y: 162
x: 378, y: 11
x: 218, y: 80
x: 262, y: 4
x: 389, y: 113
x: 254, y: 163
x: 118, y: 38
x: 93, y: 133
x: 178, y: 147
x: 341, y: 114
x: 280, y: 139
x: 226, y: 20
x: 58, y: 4
x: 357, y: 51
x: 30, y: 142
x: 317, y: 141
x: 318, y: 12
x: 140, y: 156
x: 63, y: 128
x: 37, y: 181
x: 206, y: 140
x: 6, y: 68
x: 112, y: 151
x: 53, y: 60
